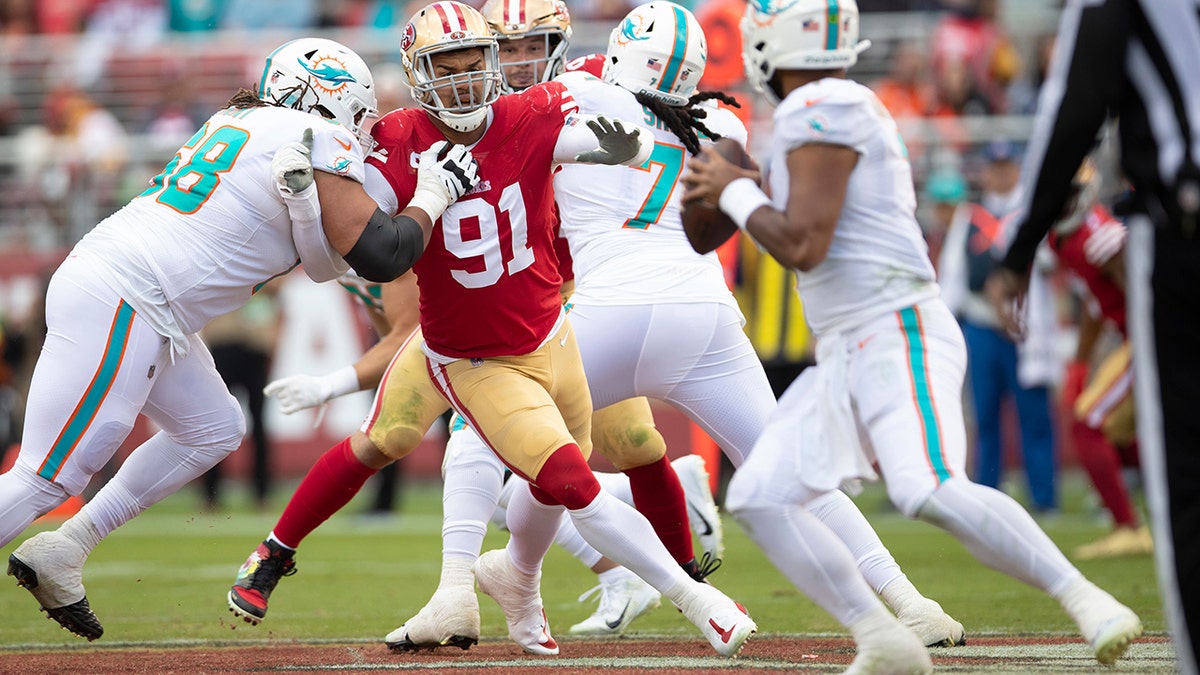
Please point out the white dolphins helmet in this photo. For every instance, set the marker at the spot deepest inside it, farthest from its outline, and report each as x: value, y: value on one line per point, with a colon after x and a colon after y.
x: 658, y: 49
x: 798, y: 35
x: 324, y: 78
x: 446, y: 27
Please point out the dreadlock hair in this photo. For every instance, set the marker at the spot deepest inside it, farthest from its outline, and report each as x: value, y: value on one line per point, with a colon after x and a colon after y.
x: 685, y: 120
x: 246, y: 98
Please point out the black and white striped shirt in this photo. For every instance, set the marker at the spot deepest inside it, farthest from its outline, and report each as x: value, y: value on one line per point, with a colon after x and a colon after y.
x: 1137, y: 61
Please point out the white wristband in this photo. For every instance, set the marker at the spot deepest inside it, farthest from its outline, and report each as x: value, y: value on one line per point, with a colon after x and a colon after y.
x: 304, y: 205
x: 741, y: 198
x: 430, y: 202
x: 342, y: 381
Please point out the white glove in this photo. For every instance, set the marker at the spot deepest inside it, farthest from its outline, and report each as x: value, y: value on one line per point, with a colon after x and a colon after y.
x: 298, y: 392
x: 292, y: 165
x: 617, y: 146
x: 441, y: 180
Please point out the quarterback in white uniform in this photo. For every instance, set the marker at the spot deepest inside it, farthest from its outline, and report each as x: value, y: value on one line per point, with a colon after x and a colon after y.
x: 239, y: 205
x: 887, y: 387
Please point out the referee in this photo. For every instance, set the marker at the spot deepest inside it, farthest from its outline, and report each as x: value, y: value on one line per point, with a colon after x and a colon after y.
x: 1137, y: 61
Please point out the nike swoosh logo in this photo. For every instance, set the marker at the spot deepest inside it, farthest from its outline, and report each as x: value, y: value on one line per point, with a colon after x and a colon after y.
x: 345, y: 145
x: 617, y: 624
x: 563, y: 343
x: 707, y: 526
x: 725, y: 633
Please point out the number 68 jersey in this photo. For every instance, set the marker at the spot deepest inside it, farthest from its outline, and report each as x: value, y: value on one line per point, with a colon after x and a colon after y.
x: 212, y: 228
x: 488, y: 279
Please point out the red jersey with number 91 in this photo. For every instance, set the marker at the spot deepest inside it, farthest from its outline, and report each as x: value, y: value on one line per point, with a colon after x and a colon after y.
x: 489, y: 281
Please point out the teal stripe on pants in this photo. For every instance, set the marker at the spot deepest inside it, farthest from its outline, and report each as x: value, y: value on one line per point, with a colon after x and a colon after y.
x: 86, y: 411
x: 922, y: 394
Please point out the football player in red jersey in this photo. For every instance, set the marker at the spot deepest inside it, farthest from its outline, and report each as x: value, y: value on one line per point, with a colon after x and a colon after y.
x: 498, y: 344
x: 1089, y: 242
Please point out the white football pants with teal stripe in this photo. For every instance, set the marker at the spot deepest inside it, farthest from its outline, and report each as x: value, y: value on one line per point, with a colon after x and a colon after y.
x: 101, y: 366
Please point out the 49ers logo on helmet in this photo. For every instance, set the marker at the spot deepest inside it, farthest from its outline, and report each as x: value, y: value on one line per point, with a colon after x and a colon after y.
x: 409, y: 37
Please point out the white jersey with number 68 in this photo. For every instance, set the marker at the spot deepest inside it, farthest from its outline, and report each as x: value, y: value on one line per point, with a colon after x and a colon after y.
x: 211, y: 228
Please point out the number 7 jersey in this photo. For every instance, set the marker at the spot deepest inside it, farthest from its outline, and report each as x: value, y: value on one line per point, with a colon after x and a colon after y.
x: 488, y: 279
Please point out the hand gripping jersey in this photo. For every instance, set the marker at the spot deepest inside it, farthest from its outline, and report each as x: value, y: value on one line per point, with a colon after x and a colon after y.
x: 489, y: 283
x: 211, y: 229
x: 623, y: 223
x: 1073, y: 251
x: 878, y: 260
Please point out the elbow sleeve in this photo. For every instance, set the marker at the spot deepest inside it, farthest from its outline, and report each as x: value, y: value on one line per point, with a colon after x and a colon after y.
x: 387, y: 247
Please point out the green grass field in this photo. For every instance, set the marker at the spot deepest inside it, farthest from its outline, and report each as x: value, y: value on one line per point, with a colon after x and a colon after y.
x: 163, y: 577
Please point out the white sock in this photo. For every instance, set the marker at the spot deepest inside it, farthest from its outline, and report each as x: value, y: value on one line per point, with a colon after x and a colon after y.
x: 80, y: 528
x: 470, y: 490
x: 24, y: 496
x: 624, y: 536
x: 999, y: 533
x: 533, y: 526
x: 841, y: 515
x: 572, y: 542
x: 812, y: 557
x: 456, y: 572
x: 155, y: 469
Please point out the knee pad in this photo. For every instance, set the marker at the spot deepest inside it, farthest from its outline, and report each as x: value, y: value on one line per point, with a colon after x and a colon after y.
x: 908, y: 498
x: 221, y: 430
x: 625, y: 434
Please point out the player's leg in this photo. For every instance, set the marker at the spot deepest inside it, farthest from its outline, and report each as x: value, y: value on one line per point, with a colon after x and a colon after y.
x: 548, y: 389
x: 472, y: 480
x: 406, y: 404
x: 769, y: 499
x: 986, y: 379
x: 1107, y: 398
x: 1037, y: 442
x: 91, y: 381
x: 624, y: 428
x: 907, y: 383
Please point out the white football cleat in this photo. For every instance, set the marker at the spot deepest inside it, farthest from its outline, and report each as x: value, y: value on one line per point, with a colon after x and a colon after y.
x: 623, y: 598
x: 887, y: 647
x: 702, y: 509
x: 719, y: 618
x: 933, y: 626
x: 519, y: 595
x: 50, y: 566
x: 1107, y: 625
x: 450, y: 618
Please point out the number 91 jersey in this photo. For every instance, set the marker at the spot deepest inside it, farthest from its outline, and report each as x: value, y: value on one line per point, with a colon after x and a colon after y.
x: 488, y: 279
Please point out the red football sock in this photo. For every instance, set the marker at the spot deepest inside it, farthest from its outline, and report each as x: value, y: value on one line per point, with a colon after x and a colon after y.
x: 658, y: 495
x: 1103, y: 463
x: 330, y: 484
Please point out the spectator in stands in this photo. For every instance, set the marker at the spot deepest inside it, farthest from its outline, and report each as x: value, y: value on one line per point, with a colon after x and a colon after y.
x: 87, y: 152
x: 1024, y: 92
x: 973, y: 241
x: 969, y: 34
x: 906, y: 91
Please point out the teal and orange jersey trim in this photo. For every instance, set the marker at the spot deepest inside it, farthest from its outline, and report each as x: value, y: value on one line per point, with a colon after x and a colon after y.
x: 93, y: 397
x: 922, y: 391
